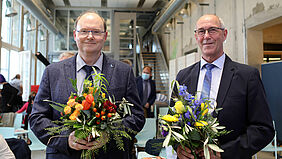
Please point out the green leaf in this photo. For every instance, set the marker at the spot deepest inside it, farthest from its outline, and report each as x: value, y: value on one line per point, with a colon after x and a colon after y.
x: 73, y: 82
x: 58, y: 108
x: 178, y: 136
x: 195, y: 135
x: 166, y: 141
x: 215, y: 148
x: 81, y: 134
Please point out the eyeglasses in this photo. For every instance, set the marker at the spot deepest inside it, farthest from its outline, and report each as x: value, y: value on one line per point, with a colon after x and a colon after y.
x: 211, y: 31
x: 95, y: 33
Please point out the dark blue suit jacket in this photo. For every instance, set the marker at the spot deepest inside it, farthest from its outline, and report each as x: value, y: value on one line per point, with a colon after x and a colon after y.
x: 245, y: 109
x: 152, y: 95
x: 56, y: 86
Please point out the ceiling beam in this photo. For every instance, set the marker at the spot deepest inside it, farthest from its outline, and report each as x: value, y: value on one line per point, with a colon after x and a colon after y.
x: 140, y: 3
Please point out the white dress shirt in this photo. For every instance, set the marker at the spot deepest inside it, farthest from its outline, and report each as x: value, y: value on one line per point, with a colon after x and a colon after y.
x: 216, y: 77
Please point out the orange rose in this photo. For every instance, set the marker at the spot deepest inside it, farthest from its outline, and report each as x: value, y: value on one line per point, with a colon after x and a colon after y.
x: 71, y: 102
x: 79, y: 107
x: 67, y: 109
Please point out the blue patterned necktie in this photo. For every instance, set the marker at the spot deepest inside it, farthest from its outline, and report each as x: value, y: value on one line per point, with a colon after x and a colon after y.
x: 88, y: 70
x: 207, y: 81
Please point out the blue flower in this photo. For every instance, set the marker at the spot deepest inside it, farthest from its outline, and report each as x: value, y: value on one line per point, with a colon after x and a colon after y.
x: 197, y: 103
x: 189, y: 123
x: 187, y: 115
x: 182, y: 88
x: 181, y: 93
x: 188, y: 97
x: 164, y: 133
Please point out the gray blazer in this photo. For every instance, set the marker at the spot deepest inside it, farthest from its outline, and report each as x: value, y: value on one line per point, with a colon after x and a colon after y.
x: 56, y: 86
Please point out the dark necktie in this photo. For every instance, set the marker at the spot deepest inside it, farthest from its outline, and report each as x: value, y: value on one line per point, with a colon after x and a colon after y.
x: 145, y: 92
x: 88, y: 70
x: 207, y: 81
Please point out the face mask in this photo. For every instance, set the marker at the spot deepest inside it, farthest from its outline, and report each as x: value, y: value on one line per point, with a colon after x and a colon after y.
x: 1, y: 86
x: 145, y: 76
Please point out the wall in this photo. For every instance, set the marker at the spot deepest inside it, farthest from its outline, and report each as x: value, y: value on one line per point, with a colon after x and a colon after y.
x: 244, y: 20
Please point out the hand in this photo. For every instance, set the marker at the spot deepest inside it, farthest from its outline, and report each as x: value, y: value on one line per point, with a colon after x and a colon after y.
x: 212, y: 155
x: 184, y: 153
x: 147, y: 105
x: 79, y: 144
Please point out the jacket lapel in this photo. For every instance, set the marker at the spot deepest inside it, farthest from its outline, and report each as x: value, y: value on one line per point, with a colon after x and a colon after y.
x: 194, y: 78
x: 70, y: 71
x: 228, y: 73
x: 108, y: 68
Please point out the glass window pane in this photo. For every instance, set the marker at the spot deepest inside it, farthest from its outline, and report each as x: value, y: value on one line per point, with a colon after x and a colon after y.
x: 73, y: 16
x: 15, y: 64
x: 5, y: 63
x: 29, y: 32
x: 16, y: 25
x: 6, y: 25
x: 61, y: 38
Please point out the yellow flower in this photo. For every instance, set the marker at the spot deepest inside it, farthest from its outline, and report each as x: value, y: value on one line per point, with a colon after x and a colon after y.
x: 202, y: 106
x: 201, y: 123
x: 205, y: 112
x: 84, y: 94
x: 179, y: 107
x: 91, y: 89
x: 67, y: 109
x: 103, y: 95
x: 71, y: 102
x: 79, y: 107
x: 170, y: 118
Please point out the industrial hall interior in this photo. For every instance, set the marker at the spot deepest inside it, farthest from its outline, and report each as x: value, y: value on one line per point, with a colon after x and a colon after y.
x: 141, y: 79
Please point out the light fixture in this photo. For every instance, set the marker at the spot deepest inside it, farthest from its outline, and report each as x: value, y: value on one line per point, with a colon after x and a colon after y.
x: 10, y: 12
x: 42, y: 38
x: 29, y: 26
x: 184, y: 11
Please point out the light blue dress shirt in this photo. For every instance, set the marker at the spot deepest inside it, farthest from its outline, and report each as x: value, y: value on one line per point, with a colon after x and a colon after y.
x: 80, y: 73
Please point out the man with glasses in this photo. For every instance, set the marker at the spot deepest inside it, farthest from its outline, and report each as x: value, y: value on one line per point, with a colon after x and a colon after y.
x: 237, y: 88
x: 90, y: 35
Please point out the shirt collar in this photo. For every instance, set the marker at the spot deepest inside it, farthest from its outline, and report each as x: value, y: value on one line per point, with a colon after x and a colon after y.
x: 218, y: 62
x: 80, y: 63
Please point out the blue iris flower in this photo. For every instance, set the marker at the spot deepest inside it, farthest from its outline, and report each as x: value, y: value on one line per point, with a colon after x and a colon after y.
x: 187, y: 115
x: 182, y: 88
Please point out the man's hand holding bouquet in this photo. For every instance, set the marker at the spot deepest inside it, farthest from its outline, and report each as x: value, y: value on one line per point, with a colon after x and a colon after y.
x: 93, y: 116
x: 190, y: 124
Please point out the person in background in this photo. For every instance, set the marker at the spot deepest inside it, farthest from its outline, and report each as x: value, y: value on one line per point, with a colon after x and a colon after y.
x: 17, y: 83
x: 147, y: 91
x: 237, y: 89
x: 9, y: 96
x: 127, y: 61
x: 27, y: 107
x: 66, y: 55
x: 90, y: 34
x: 5, y: 151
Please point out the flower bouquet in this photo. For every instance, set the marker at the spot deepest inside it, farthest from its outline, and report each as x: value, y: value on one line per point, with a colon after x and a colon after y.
x: 191, y: 124
x: 93, y: 116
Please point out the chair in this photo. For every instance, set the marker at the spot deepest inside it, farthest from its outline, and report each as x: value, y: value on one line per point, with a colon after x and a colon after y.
x: 7, y: 132
x: 148, y: 132
x: 19, y: 131
x: 272, y: 148
x: 36, y: 145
